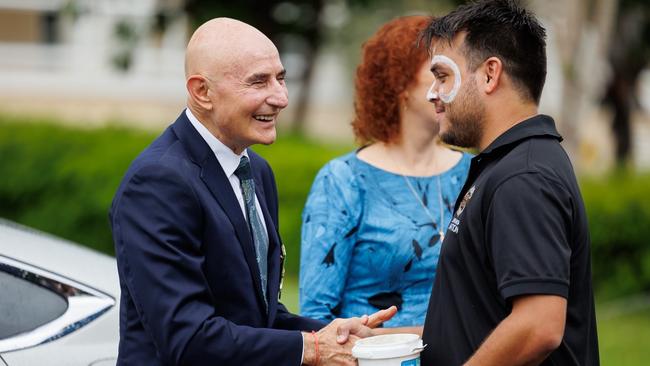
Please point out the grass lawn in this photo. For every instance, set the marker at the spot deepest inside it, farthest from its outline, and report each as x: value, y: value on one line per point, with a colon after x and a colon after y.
x: 624, y: 339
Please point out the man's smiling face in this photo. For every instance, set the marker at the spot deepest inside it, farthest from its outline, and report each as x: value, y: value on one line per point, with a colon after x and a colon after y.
x: 248, y: 99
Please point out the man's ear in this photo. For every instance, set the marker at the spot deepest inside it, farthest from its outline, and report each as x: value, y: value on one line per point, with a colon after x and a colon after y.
x: 492, y: 74
x: 197, y: 87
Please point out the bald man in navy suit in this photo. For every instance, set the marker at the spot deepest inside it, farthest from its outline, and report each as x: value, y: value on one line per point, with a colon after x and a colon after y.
x: 195, y: 224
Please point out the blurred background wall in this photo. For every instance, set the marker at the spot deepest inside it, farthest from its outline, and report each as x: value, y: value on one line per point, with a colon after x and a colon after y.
x: 91, y: 61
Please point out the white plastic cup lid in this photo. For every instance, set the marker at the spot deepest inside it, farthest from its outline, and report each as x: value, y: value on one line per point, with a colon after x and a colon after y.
x: 387, y: 346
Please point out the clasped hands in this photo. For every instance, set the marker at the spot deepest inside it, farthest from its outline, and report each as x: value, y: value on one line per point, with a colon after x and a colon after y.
x: 333, y: 344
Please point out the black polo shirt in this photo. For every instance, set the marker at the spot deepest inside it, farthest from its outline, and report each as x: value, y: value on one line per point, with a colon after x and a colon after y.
x: 519, y: 228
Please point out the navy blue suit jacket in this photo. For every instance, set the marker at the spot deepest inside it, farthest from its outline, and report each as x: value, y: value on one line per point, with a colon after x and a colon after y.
x: 190, y: 284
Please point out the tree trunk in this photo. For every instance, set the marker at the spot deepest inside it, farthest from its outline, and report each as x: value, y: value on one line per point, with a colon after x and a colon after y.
x: 582, y: 29
x: 302, y: 102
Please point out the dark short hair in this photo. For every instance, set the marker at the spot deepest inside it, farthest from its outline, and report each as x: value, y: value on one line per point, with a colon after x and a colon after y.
x: 390, y: 62
x: 500, y: 28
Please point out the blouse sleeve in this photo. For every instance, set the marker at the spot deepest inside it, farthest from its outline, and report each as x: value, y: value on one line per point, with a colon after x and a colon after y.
x: 329, y: 224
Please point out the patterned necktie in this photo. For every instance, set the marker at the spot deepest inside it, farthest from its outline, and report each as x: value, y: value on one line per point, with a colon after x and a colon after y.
x: 260, y: 237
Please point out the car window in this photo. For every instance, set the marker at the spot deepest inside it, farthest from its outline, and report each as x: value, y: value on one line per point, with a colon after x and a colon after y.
x: 25, y: 306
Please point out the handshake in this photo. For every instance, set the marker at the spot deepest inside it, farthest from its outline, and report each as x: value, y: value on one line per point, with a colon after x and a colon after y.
x: 333, y: 344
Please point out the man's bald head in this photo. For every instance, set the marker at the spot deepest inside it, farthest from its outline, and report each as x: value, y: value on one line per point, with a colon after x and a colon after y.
x: 235, y: 83
x: 221, y: 44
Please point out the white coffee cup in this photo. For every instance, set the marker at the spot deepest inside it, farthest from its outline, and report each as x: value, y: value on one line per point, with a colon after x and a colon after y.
x: 389, y: 350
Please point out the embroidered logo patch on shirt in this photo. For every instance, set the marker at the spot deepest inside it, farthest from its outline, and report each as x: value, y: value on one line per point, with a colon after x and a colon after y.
x: 465, y: 201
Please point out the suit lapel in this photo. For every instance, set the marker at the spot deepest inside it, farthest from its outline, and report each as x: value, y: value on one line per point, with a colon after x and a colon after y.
x: 215, y: 179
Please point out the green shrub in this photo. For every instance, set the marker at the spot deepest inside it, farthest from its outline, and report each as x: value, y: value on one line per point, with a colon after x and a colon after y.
x: 62, y: 179
x: 619, y: 221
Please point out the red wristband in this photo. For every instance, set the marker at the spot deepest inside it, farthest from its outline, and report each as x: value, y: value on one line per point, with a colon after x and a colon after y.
x: 316, y: 347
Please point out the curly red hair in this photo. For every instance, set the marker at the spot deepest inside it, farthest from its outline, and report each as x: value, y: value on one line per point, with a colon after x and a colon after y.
x: 391, y: 59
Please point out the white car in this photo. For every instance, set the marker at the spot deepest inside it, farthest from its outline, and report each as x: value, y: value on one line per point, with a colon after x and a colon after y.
x: 58, y: 301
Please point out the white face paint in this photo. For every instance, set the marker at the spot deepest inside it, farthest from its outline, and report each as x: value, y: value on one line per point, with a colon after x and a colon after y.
x: 443, y: 88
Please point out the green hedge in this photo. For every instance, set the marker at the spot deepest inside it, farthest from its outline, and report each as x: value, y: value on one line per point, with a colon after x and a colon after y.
x: 62, y: 179
x: 618, y: 207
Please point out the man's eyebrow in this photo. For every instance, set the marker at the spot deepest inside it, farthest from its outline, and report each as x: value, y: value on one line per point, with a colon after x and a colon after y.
x: 261, y: 76
x: 436, y: 68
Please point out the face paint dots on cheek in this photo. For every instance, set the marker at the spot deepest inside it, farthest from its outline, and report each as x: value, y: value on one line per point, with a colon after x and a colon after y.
x: 435, y: 90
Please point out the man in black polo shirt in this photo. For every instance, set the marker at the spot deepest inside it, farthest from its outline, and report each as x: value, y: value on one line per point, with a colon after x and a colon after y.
x: 513, y: 284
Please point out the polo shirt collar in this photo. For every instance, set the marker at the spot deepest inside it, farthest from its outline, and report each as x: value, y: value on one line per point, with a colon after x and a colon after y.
x: 227, y: 158
x: 539, y: 125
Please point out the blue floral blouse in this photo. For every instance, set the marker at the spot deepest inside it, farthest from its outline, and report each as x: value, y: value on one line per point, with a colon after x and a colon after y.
x: 367, y: 242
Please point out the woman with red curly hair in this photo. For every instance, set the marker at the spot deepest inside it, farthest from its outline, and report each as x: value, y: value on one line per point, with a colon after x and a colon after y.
x: 375, y: 218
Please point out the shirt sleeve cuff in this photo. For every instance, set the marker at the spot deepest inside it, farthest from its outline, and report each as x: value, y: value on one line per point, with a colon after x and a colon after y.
x: 535, y: 287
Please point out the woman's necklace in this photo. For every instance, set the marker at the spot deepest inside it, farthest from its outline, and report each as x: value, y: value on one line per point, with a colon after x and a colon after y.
x: 424, y: 207
x: 426, y: 210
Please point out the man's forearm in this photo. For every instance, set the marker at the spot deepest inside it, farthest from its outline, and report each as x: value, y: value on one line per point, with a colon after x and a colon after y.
x: 532, y: 331
x: 510, y: 344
